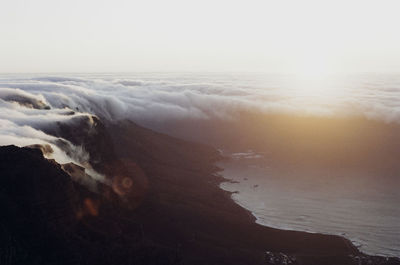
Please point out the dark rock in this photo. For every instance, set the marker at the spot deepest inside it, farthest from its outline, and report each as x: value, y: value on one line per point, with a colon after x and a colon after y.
x: 162, y: 206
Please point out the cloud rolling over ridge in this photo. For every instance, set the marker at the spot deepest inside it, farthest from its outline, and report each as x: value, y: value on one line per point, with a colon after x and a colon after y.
x: 32, y: 106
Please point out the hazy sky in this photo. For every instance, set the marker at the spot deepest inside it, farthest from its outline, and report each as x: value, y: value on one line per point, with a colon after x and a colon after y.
x: 205, y: 35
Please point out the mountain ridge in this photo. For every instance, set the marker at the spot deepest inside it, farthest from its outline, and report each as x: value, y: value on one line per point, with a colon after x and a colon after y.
x: 163, y: 206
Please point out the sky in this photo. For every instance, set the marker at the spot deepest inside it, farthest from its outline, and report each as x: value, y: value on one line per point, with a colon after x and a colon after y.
x: 305, y: 37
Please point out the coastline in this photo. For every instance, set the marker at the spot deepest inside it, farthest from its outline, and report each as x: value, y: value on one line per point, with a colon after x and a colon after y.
x: 184, y: 217
x: 232, y: 186
x: 219, y: 216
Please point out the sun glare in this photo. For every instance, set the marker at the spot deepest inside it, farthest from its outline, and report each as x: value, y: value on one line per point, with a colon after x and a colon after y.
x: 313, y: 69
x: 314, y: 77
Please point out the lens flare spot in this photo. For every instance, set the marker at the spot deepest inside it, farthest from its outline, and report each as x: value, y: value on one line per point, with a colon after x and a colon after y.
x: 122, y: 185
x: 91, y: 207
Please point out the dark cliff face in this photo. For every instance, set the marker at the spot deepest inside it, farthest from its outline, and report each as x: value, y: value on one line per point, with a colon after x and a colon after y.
x: 49, y: 219
x: 162, y: 206
x: 38, y: 204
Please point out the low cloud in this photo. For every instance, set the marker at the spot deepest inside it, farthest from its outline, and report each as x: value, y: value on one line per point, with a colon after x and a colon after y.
x: 31, y: 106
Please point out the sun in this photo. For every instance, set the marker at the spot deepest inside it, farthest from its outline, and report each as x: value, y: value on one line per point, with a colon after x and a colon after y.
x: 313, y: 63
x: 313, y: 76
x: 312, y: 69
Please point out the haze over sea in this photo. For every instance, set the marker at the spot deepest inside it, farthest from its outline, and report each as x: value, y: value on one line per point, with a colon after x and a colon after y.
x: 360, y: 204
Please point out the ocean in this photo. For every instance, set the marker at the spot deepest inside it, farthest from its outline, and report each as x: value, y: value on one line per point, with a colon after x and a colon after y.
x: 359, y: 205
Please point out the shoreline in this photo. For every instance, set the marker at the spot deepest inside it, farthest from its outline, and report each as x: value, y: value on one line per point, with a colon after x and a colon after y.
x: 258, y: 220
x: 180, y: 214
x: 190, y: 183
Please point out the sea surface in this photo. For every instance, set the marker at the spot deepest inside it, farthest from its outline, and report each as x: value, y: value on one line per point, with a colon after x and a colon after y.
x: 360, y: 206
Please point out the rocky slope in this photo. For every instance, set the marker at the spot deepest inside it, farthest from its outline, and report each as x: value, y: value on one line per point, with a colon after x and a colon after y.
x: 161, y: 205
